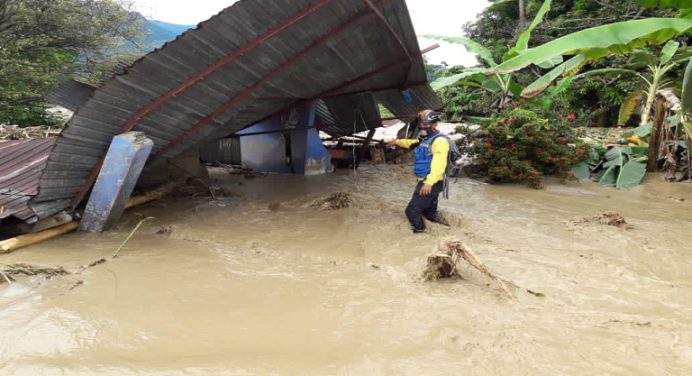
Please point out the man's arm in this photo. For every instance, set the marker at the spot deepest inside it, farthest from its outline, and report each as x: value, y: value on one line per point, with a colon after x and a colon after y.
x: 406, y: 144
x: 440, y: 151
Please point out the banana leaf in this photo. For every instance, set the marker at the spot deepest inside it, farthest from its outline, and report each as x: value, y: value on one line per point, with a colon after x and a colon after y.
x: 668, y: 51
x: 581, y: 171
x: 687, y: 99
x: 471, y: 46
x: 617, y: 156
x: 643, y: 130
x: 600, y: 41
x: 631, y: 174
x: 557, y: 60
x: 627, y: 108
x: 443, y: 82
x: 622, y: 169
x: 608, y: 176
x: 542, y: 83
x: 687, y: 90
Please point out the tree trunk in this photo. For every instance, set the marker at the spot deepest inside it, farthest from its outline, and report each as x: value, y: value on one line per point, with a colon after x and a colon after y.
x: 522, y: 18
x: 656, y: 133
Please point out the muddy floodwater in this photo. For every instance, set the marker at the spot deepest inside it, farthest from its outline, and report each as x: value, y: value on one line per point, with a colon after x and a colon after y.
x: 260, y: 283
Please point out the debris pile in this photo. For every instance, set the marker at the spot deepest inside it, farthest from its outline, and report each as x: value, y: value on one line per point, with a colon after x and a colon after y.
x: 14, y: 132
x: 335, y: 201
x: 245, y: 172
x: 612, y: 219
x: 9, y: 272
x: 444, y: 264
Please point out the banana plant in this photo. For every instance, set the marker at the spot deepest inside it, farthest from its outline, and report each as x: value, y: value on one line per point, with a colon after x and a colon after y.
x: 671, y: 56
x: 500, y: 85
x: 589, y: 45
x: 686, y: 111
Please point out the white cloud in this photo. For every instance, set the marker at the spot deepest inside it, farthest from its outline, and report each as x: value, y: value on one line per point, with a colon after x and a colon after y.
x: 441, y: 17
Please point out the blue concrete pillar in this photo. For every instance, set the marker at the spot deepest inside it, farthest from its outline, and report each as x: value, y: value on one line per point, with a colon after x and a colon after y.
x: 120, y: 171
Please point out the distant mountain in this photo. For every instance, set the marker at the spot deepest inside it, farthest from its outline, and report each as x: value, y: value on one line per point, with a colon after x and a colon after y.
x: 159, y: 33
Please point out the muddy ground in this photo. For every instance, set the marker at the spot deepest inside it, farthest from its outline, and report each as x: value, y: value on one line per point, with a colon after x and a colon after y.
x: 261, y: 283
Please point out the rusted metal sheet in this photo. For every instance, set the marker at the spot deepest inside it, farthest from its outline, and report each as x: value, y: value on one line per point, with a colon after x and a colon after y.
x: 196, y: 88
x: 21, y: 164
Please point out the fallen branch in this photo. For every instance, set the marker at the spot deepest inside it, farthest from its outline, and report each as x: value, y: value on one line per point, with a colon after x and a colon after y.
x: 443, y: 264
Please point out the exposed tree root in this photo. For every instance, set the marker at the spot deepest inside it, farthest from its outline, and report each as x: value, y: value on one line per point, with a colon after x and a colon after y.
x: 444, y: 264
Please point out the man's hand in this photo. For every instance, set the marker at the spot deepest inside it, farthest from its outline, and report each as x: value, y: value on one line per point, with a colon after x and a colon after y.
x: 425, y: 190
x: 390, y: 144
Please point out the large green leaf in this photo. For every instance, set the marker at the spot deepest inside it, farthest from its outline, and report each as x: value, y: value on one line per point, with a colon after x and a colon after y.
x: 552, y: 62
x: 471, y: 46
x: 631, y: 174
x: 687, y: 100
x: 544, y: 81
x: 581, y: 171
x: 617, y: 156
x: 643, y: 130
x: 443, y: 82
x: 600, y: 41
x: 668, y: 51
x: 628, y: 106
x: 687, y: 90
x: 608, y: 176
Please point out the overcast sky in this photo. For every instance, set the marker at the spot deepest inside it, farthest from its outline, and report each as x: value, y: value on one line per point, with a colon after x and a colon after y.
x: 442, y: 17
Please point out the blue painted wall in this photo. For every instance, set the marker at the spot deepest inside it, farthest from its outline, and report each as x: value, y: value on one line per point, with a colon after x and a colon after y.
x: 265, y: 152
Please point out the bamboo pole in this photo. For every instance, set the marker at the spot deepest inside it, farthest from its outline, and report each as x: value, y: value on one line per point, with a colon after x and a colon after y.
x: 22, y: 241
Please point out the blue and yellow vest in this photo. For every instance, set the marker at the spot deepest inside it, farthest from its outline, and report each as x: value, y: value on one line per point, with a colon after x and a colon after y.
x: 422, y: 157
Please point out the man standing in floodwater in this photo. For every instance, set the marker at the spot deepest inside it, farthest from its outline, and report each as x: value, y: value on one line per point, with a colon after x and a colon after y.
x: 431, y: 156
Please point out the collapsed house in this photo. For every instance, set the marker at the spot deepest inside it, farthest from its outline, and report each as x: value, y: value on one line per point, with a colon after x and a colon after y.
x: 262, y: 77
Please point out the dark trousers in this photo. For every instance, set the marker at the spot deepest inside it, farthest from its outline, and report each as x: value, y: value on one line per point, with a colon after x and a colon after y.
x: 423, y: 206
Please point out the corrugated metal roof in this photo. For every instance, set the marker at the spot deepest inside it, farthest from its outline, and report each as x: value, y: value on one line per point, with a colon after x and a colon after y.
x: 21, y: 164
x: 353, y: 113
x: 243, y: 65
x: 421, y: 97
x: 71, y: 94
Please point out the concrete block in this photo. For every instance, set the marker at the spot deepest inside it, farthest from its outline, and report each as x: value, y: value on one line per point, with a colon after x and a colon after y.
x: 124, y: 162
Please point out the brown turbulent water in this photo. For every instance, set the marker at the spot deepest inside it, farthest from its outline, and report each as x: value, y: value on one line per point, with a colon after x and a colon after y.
x: 236, y: 288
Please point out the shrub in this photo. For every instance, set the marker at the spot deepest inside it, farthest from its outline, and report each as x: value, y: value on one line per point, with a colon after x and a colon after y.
x: 523, y: 148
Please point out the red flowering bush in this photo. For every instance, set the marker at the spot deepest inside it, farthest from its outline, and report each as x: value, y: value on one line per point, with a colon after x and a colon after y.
x: 523, y: 148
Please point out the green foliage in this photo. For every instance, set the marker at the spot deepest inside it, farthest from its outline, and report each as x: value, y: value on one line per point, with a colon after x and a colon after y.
x: 523, y: 147
x: 595, y: 43
x: 463, y: 101
x: 676, y: 4
x: 622, y: 168
x: 43, y: 42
